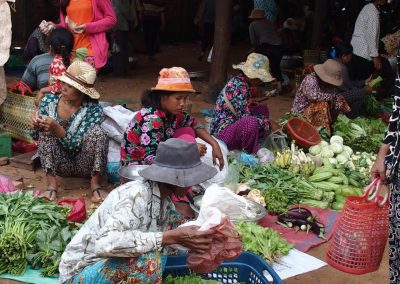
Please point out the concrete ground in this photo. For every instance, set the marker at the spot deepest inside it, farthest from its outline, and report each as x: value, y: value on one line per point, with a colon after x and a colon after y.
x: 143, y: 76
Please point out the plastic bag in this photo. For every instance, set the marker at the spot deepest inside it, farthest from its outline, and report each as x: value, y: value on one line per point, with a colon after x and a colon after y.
x: 265, y: 155
x: 231, y: 180
x: 20, y: 146
x: 78, y: 210
x: 276, y: 141
x: 6, y: 185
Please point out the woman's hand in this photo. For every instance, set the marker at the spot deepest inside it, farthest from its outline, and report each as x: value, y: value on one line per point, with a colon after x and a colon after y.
x: 217, y: 154
x: 202, y: 149
x: 377, y: 63
x: 38, y: 97
x: 80, y: 29
x: 48, y: 124
x: 33, y: 123
x: 189, y: 237
x: 379, y: 167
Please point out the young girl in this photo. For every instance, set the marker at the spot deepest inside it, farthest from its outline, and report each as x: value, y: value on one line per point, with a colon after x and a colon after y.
x: 61, y: 42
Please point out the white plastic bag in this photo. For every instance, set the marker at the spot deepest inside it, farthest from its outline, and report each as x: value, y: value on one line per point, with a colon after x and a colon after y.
x: 116, y: 121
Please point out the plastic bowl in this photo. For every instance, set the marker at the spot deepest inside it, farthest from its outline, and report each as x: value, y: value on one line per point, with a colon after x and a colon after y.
x: 303, y: 132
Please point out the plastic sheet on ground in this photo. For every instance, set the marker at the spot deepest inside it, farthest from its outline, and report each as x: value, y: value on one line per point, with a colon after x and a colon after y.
x: 31, y: 276
x: 295, y: 263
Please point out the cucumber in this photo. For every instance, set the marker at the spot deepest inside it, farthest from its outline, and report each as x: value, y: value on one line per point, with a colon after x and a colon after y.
x: 338, y: 206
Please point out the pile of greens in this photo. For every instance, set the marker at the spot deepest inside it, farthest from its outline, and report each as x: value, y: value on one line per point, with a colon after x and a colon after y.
x: 188, y: 279
x: 32, y: 231
x: 363, y: 134
x: 265, y: 242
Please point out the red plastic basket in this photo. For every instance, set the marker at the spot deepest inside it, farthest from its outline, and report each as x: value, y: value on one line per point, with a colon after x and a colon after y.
x: 303, y: 132
x: 361, y: 233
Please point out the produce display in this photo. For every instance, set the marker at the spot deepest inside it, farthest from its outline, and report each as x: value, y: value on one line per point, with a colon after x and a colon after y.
x: 295, y: 160
x: 32, y: 231
x: 265, y: 242
x: 301, y: 219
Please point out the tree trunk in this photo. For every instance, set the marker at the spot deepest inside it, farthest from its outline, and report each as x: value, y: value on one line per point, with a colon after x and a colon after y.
x: 221, y: 48
x: 320, y: 14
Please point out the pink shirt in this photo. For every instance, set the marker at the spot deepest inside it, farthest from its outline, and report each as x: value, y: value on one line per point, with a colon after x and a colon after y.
x: 103, y: 20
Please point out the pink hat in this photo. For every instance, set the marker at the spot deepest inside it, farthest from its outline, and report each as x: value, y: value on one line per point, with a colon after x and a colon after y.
x: 175, y: 79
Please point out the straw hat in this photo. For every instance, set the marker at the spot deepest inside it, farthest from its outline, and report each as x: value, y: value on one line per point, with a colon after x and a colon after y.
x: 175, y: 79
x: 178, y: 162
x: 256, y: 67
x: 290, y: 24
x: 257, y: 14
x: 330, y: 72
x: 81, y: 75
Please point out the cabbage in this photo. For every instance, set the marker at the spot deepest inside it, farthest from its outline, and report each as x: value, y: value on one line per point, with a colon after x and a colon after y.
x: 348, y: 150
x: 342, y: 159
x: 336, y: 148
x: 327, y: 153
x: 314, y: 150
x: 336, y: 139
x: 323, y: 144
x: 346, y: 154
x: 333, y: 161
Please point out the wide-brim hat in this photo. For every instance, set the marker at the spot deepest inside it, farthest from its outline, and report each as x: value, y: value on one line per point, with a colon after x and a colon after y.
x: 81, y: 75
x: 256, y: 67
x: 178, y: 163
x: 175, y: 79
x: 330, y: 72
x: 257, y: 14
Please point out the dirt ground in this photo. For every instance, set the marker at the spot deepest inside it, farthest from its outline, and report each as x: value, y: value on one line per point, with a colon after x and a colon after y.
x: 143, y: 75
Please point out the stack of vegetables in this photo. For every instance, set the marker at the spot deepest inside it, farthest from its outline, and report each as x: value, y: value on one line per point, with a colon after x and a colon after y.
x: 363, y: 134
x: 32, y: 232
x: 334, y: 152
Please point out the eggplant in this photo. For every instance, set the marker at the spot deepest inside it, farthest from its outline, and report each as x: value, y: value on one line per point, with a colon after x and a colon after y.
x: 299, y: 213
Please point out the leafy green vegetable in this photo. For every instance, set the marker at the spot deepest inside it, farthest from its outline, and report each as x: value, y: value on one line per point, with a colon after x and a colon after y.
x: 275, y: 201
x: 188, y: 279
x: 265, y: 242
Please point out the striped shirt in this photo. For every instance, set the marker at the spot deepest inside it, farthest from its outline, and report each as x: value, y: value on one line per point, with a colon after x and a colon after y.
x: 365, y: 40
x: 36, y: 75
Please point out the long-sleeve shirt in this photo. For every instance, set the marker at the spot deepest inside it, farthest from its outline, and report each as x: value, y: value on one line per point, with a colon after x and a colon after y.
x: 103, y: 20
x: 310, y: 91
x: 365, y: 40
x: 36, y: 75
x: 76, y: 127
x: 237, y: 91
x: 263, y: 31
x: 128, y: 223
x: 147, y: 129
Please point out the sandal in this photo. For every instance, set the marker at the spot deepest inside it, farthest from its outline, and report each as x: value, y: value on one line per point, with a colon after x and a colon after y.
x: 100, y: 198
x: 52, y: 192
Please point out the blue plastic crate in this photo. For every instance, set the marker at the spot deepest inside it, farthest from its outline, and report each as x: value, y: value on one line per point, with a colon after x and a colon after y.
x: 247, y: 268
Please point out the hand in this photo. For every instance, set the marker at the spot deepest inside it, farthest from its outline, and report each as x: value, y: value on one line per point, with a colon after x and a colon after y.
x: 80, y: 29
x: 33, y: 123
x: 377, y: 63
x: 38, y: 97
x: 48, y: 124
x: 379, y: 169
x: 217, y: 154
x: 202, y: 149
x: 194, y: 240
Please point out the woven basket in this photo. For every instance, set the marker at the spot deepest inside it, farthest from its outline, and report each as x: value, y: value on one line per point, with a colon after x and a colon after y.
x: 14, y: 115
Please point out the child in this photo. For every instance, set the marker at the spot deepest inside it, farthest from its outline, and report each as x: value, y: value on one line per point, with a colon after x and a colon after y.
x: 61, y: 43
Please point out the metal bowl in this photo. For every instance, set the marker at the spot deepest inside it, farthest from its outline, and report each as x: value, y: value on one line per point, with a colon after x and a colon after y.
x: 131, y: 172
x: 261, y: 211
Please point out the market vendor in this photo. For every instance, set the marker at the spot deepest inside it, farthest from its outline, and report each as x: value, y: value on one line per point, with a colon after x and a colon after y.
x: 70, y: 140
x: 123, y: 240
x: 318, y: 97
x: 236, y: 121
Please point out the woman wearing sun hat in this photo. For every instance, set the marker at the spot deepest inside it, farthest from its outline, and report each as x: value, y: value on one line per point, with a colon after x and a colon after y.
x: 318, y: 97
x: 235, y: 122
x: 70, y: 140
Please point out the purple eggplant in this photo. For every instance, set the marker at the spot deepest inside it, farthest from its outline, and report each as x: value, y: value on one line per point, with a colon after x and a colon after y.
x: 299, y: 213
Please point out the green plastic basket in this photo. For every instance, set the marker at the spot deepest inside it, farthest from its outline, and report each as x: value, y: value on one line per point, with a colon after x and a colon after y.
x: 5, y: 145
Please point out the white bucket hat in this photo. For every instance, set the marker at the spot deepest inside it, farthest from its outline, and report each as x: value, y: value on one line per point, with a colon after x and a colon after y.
x: 256, y: 67
x: 81, y: 75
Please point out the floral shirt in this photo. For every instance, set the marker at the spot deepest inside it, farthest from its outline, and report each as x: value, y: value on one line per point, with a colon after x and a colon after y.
x: 238, y: 92
x: 76, y: 127
x: 56, y: 69
x: 147, y: 129
x: 310, y: 91
x: 128, y: 223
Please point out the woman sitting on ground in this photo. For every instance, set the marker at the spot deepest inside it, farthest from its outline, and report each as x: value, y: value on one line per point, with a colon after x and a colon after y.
x: 126, y: 238
x: 318, y: 97
x: 236, y: 122
x: 354, y: 92
x: 70, y: 140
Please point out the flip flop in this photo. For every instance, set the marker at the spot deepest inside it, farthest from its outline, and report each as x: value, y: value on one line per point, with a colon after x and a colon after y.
x: 51, y: 192
x: 97, y: 199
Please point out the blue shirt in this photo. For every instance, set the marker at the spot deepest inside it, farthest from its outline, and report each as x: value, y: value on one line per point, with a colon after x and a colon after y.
x: 36, y: 75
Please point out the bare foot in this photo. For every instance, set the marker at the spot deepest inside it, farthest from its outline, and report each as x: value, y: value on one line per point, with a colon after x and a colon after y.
x: 50, y: 194
x: 98, y: 195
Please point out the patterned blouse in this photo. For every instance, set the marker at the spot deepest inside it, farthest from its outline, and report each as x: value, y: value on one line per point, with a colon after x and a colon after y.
x: 76, y: 127
x: 147, y: 129
x: 128, y: 223
x: 310, y: 91
x: 57, y: 68
x: 238, y: 92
